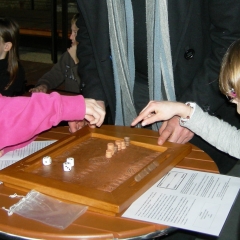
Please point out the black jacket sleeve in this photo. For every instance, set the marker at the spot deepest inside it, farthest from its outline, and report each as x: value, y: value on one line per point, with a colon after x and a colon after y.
x: 224, y: 28
x: 91, y: 86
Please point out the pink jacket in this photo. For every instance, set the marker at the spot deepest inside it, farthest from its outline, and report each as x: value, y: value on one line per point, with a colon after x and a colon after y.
x: 22, y: 118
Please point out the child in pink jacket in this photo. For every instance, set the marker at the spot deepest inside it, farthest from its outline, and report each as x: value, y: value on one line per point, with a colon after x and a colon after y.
x: 22, y: 118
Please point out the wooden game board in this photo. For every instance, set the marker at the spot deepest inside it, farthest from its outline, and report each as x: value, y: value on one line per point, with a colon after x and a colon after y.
x: 106, y: 185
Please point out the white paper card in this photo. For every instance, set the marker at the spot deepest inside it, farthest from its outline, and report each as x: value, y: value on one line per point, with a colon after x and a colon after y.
x: 18, y: 154
x: 188, y: 199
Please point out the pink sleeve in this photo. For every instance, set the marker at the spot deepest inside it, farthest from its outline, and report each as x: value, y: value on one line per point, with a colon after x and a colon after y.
x: 22, y: 118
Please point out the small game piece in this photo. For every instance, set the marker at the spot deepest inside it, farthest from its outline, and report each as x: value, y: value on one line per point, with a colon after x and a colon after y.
x: 127, y: 140
x: 47, y: 160
x: 123, y: 145
x: 67, y: 166
x: 151, y: 166
x: 118, y: 143
x: 110, y: 146
x: 109, y: 153
x: 156, y: 163
x: 71, y: 161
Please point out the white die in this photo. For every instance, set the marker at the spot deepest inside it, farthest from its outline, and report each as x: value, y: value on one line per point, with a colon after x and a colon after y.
x: 47, y: 160
x: 67, y: 166
x: 71, y: 161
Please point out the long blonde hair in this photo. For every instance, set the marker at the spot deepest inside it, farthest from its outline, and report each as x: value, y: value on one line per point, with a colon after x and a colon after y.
x: 230, y: 70
x: 9, y: 32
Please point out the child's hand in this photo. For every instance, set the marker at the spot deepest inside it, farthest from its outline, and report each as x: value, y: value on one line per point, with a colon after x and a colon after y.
x: 41, y: 88
x: 73, y: 53
x: 1, y: 153
x: 160, y: 111
x: 76, y: 125
x: 95, y: 113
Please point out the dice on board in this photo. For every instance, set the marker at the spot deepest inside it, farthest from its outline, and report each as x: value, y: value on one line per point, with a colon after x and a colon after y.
x: 70, y: 160
x: 67, y: 166
x: 47, y: 160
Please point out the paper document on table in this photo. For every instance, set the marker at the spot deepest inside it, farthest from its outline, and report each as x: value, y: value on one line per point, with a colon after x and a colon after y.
x: 18, y: 154
x: 187, y: 199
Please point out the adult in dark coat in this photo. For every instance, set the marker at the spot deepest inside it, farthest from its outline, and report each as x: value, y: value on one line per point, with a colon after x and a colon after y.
x: 200, y: 33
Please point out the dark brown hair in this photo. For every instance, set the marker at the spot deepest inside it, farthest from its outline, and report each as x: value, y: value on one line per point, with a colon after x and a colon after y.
x: 9, y: 32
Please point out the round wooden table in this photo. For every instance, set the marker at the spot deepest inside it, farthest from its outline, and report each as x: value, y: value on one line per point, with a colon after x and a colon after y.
x: 93, y: 225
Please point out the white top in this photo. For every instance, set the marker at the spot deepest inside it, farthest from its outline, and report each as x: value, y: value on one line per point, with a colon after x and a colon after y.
x: 215, y: 131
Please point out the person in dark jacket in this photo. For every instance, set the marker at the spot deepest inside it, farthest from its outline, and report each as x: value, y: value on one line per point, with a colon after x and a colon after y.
x: 199, y: 34
x: 118, y: 39
x: 65, y: 70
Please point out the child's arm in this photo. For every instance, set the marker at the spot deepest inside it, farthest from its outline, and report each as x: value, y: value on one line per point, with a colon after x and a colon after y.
x: 22, y: 118
x: 54, y: 77
x: 218, y: 133
x: 40, y: 88
x: 160, y: 111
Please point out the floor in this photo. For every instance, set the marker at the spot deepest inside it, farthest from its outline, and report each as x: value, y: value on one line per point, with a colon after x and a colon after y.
x: 35, y: 55
x: 36, y: 62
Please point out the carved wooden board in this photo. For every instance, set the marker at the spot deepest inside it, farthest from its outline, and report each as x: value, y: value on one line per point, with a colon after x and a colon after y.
x: 106, y: 185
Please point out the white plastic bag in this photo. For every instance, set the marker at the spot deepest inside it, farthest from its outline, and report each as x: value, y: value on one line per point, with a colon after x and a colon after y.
x: 48, y: 210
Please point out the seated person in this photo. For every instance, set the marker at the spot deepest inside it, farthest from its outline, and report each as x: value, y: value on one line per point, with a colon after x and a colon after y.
x: 12, y: 75
x: 65, y: 70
